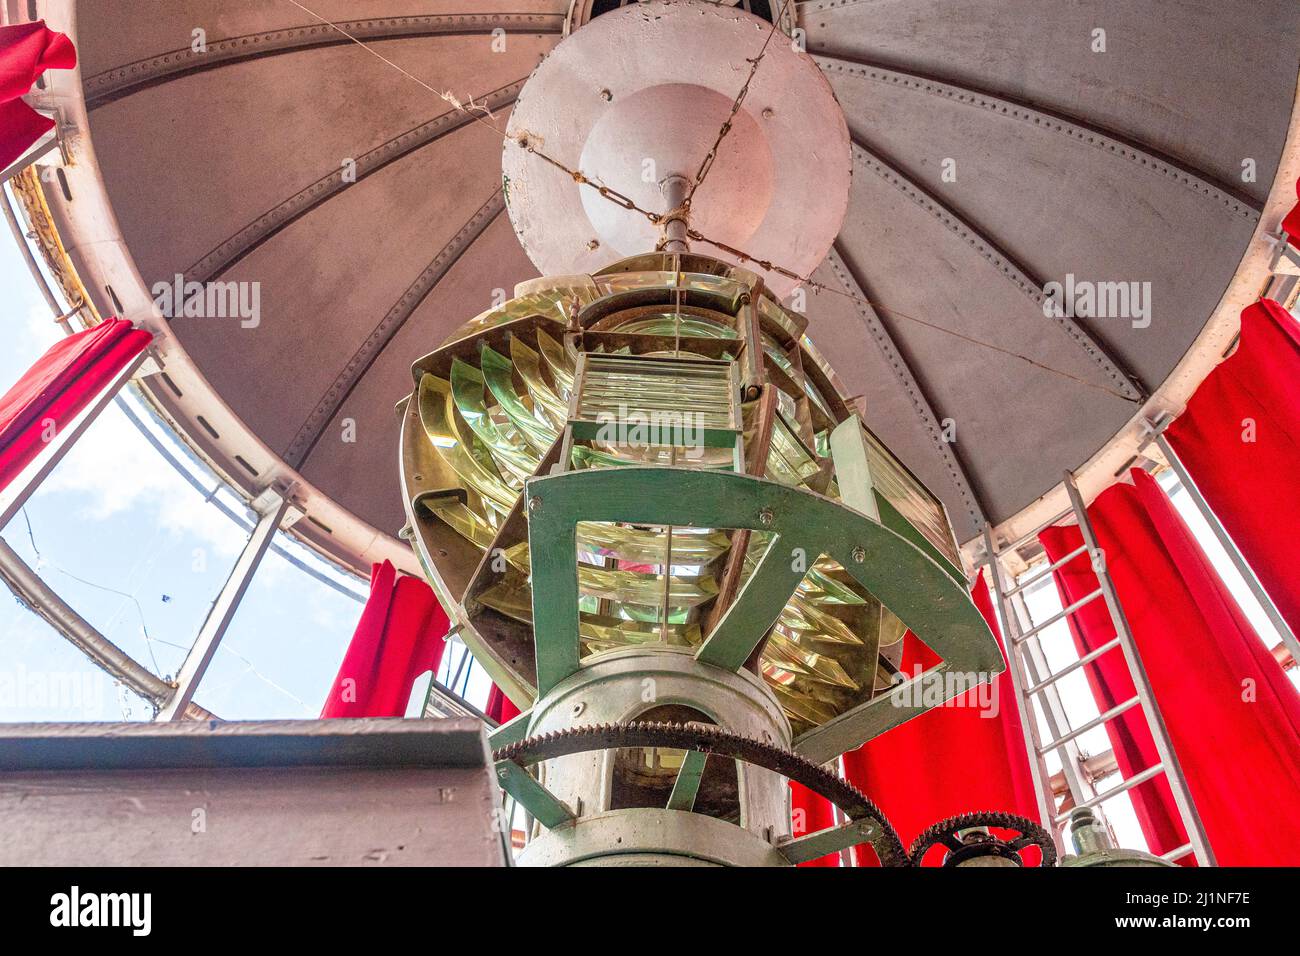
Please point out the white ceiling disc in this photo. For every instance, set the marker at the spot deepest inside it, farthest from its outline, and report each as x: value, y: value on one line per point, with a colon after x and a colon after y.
x: 639, y: 95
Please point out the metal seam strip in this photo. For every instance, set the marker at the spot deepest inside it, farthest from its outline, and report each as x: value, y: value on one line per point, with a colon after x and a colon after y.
x: 907, y: 379
x: 312, y: 428
x: 231, y: 250
x: 1004, y: 264
x: 1075, y: 130
x: 110, y: 85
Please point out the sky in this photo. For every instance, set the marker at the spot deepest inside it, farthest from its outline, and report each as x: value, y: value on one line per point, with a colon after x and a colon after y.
x: 140, y: 553
x: 130, y: 544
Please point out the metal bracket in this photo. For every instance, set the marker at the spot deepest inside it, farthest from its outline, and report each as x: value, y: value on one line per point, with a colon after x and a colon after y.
x: 687, y: 784
x: 831, y: 840
x: 532, y: 796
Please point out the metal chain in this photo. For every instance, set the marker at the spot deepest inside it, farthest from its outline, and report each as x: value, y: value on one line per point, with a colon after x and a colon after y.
x: 481, y: 114
x: 613, y: 195
x: 809, y: 282
x: 712, y: 155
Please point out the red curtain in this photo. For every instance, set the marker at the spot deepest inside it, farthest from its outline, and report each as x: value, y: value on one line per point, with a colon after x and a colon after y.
x: 59, y: 386
x: 499, y: 706
x: 1240, y: 440
x: 953, y: 759
x: 26, y: 51
x: 1291, y: 224
x: 1233, y: 717
x: 811, y: 813
x: 399, y: 637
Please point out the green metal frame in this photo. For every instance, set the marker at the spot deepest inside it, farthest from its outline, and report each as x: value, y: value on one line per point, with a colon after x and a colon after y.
x: 903, y: 576
x: 532, y: 796
x: 858, y: 490
x: 511, y: 732
x: 831, y: 840
x: 687, y: 784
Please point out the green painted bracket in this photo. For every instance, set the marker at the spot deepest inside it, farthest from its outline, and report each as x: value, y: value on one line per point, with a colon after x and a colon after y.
x: 511, y: 732
x: 858, y: 490
x: 852, y: 471
x: 905, y: 578
x: 756, y: 607
x: 532, y: 796
x: 893, y: 519
x: 831, y: 840
x: 687, y: 784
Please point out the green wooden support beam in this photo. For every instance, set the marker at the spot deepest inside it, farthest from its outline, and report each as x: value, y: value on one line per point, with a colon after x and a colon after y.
x: 758, y: 604
x: 831, y: 840
x: 893, y: 519
x: 511, y: 732
x: 688, y: 781
x: 553, y: 560
x: 532, y: 796
x: 852, y: 470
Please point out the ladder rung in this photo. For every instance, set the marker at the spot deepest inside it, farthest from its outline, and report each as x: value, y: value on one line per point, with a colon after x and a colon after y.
x: 1134, y: 781
x: 1176, y: 852
x: 1071, y: 668
x: 1095, y: 722
x: 1046, y: 572
x: 1061, y: 616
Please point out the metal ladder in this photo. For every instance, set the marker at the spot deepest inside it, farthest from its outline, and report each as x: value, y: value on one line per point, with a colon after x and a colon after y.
x: 1031, y: 678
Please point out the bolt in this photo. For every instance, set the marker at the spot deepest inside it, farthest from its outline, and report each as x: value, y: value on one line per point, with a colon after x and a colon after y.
x: 765, y: 516
x: 859, y: 555
x: 593, y: 244
x: 534, y: 503
x: 606, y: 95
x: 768, y: 112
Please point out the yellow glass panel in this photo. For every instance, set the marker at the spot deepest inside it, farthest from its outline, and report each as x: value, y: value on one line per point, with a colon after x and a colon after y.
x: 498, y: 373
x: 528, y: 364
x: 459, y: 449
x: 515, y: 460
x: 473, y: 528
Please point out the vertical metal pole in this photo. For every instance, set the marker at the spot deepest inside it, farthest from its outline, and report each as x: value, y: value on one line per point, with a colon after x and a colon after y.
x: 1037, y: 766
x: 674, y: 230
x: 223, y: 609
x: 1159, y: 732
x: 63, y: 444
x: 20, y: 238
x: 1238, y: 560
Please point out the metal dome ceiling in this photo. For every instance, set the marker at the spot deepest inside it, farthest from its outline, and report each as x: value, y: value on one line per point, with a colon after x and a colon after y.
x: 1116, y: 166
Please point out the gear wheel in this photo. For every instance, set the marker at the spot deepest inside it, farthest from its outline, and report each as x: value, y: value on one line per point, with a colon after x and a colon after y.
x: 709, y: 739
x: 1028, y: 833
